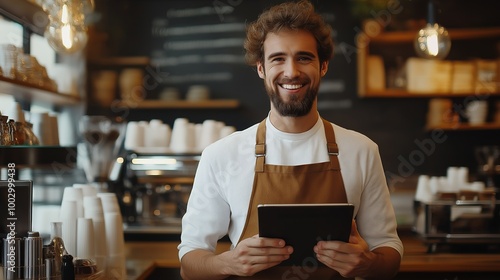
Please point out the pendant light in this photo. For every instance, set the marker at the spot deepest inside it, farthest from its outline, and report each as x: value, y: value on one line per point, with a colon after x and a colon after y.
x: 66, y: 32
x: 432, y: 41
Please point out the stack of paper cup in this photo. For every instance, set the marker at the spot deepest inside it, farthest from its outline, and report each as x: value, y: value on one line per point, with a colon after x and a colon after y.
x: 157, y: 134
x: 424, y: 192
x: 134, y: 136
x: 68, y: 218
x: 210, y: 133
x: 93, y: 209
x: 87, y: 190
x: 182, y: 136
x: 71, y: 210
x: 75, y: 194
x: 85, y: 239
x: 115, y: 264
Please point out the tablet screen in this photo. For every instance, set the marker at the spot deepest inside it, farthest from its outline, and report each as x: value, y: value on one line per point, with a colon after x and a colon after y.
x: 303, y: 225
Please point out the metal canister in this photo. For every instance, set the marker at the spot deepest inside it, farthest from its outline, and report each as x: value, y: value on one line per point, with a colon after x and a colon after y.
x: 33, y: 256
x: 12, y: 258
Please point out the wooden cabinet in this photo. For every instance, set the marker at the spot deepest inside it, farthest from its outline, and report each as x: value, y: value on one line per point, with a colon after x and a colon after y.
x: 382, y: 58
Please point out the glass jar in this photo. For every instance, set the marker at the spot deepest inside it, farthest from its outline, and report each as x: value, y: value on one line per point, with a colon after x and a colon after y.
x: 5, y: 134
x: 17, y: 131
x: 31, y: 138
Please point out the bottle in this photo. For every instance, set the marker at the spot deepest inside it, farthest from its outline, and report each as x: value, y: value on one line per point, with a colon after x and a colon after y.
x: 56, y: 250
x: 67, y: 268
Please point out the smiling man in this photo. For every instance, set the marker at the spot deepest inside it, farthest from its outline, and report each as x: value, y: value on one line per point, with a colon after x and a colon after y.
x: 293, y: 156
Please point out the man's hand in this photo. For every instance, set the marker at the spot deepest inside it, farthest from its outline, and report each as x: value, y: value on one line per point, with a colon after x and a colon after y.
x: 255, y: 254
x: 349, y: 259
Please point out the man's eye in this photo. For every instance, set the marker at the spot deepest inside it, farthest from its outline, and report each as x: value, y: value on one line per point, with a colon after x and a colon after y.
x: 277, y: 59
x: 304, y: 58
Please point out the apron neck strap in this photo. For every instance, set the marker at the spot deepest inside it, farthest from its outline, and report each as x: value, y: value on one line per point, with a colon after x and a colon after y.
x: 333, y: 149
x: 260, y: 147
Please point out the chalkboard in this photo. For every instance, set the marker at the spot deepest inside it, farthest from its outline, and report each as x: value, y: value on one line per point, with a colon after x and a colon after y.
x: 200, y: 42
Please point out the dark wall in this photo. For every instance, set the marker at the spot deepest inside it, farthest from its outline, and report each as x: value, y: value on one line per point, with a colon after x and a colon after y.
x: 159, y: 29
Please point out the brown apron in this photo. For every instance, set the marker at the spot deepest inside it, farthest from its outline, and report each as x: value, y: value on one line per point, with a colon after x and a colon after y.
x: 310, y: 183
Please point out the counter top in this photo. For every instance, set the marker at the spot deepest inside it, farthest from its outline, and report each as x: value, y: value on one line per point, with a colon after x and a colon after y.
x: 143, y: 257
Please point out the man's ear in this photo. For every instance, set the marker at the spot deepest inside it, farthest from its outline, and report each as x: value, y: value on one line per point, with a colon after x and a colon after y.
x: 324, y: 68
x: 261, y: 70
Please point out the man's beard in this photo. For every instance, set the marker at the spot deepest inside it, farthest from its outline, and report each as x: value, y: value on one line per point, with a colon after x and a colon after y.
x: 296, y: 106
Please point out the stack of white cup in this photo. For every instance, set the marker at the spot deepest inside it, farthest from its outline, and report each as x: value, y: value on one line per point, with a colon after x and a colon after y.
x: 456, y: 179
x: 184, y: 137
x: 71, y: 210
x: 115, y: 263
x: 93, y: 210
x: 92, y: 228
x: 147, y: 134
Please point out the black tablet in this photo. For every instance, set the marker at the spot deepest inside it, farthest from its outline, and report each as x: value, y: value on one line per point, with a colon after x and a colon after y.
x: 303, y: 225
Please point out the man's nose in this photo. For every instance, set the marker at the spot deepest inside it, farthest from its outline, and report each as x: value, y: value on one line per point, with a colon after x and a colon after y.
x: 291, y: 69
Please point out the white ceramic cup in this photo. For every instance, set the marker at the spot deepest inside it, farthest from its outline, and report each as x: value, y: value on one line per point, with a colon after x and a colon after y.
x: 134, y: 136
x: 182, y: 136
x: 477, y: 112
x: 198, y: 93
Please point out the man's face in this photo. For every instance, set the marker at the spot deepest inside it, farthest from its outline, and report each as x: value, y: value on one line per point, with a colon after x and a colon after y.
x: 291, y: 71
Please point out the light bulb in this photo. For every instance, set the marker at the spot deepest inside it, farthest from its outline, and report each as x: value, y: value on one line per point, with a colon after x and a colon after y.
x: 66, y: 32
x: 433, y: 41
x: 65, y: 37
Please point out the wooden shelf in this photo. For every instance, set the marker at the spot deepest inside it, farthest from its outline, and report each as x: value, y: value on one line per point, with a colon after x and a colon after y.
x: 464, y: 126
x: 26, y: 13
x: 406, y: 38
x: 23, y: 91
x: 401, y: 93
x: 455, y: 34
x: 120, y: 61
x: 183, y: 104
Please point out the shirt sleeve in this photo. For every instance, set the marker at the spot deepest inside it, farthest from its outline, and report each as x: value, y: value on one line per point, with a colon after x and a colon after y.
x: 207, y: 216
x: 376, y: 219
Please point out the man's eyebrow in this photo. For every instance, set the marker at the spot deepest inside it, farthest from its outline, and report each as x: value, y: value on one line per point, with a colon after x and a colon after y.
x: 310, y: 54
x: 306, y: 53
x: 275, y: 55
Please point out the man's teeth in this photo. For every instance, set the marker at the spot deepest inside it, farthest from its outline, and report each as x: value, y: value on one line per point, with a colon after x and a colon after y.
x: 287, y: 86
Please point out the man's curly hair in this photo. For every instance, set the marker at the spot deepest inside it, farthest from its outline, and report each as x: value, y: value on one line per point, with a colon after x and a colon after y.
x: 288, y: 16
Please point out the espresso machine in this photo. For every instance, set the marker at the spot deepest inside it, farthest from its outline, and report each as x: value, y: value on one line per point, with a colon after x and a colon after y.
x: 465, y: 219
x: 156, y: 190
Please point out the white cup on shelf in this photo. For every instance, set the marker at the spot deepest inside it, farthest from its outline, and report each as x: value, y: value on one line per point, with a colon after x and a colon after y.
x: 477, y: 111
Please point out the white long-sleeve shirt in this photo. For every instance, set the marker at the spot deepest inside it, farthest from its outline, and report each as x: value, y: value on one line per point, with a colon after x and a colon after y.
x: 223, y: 184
